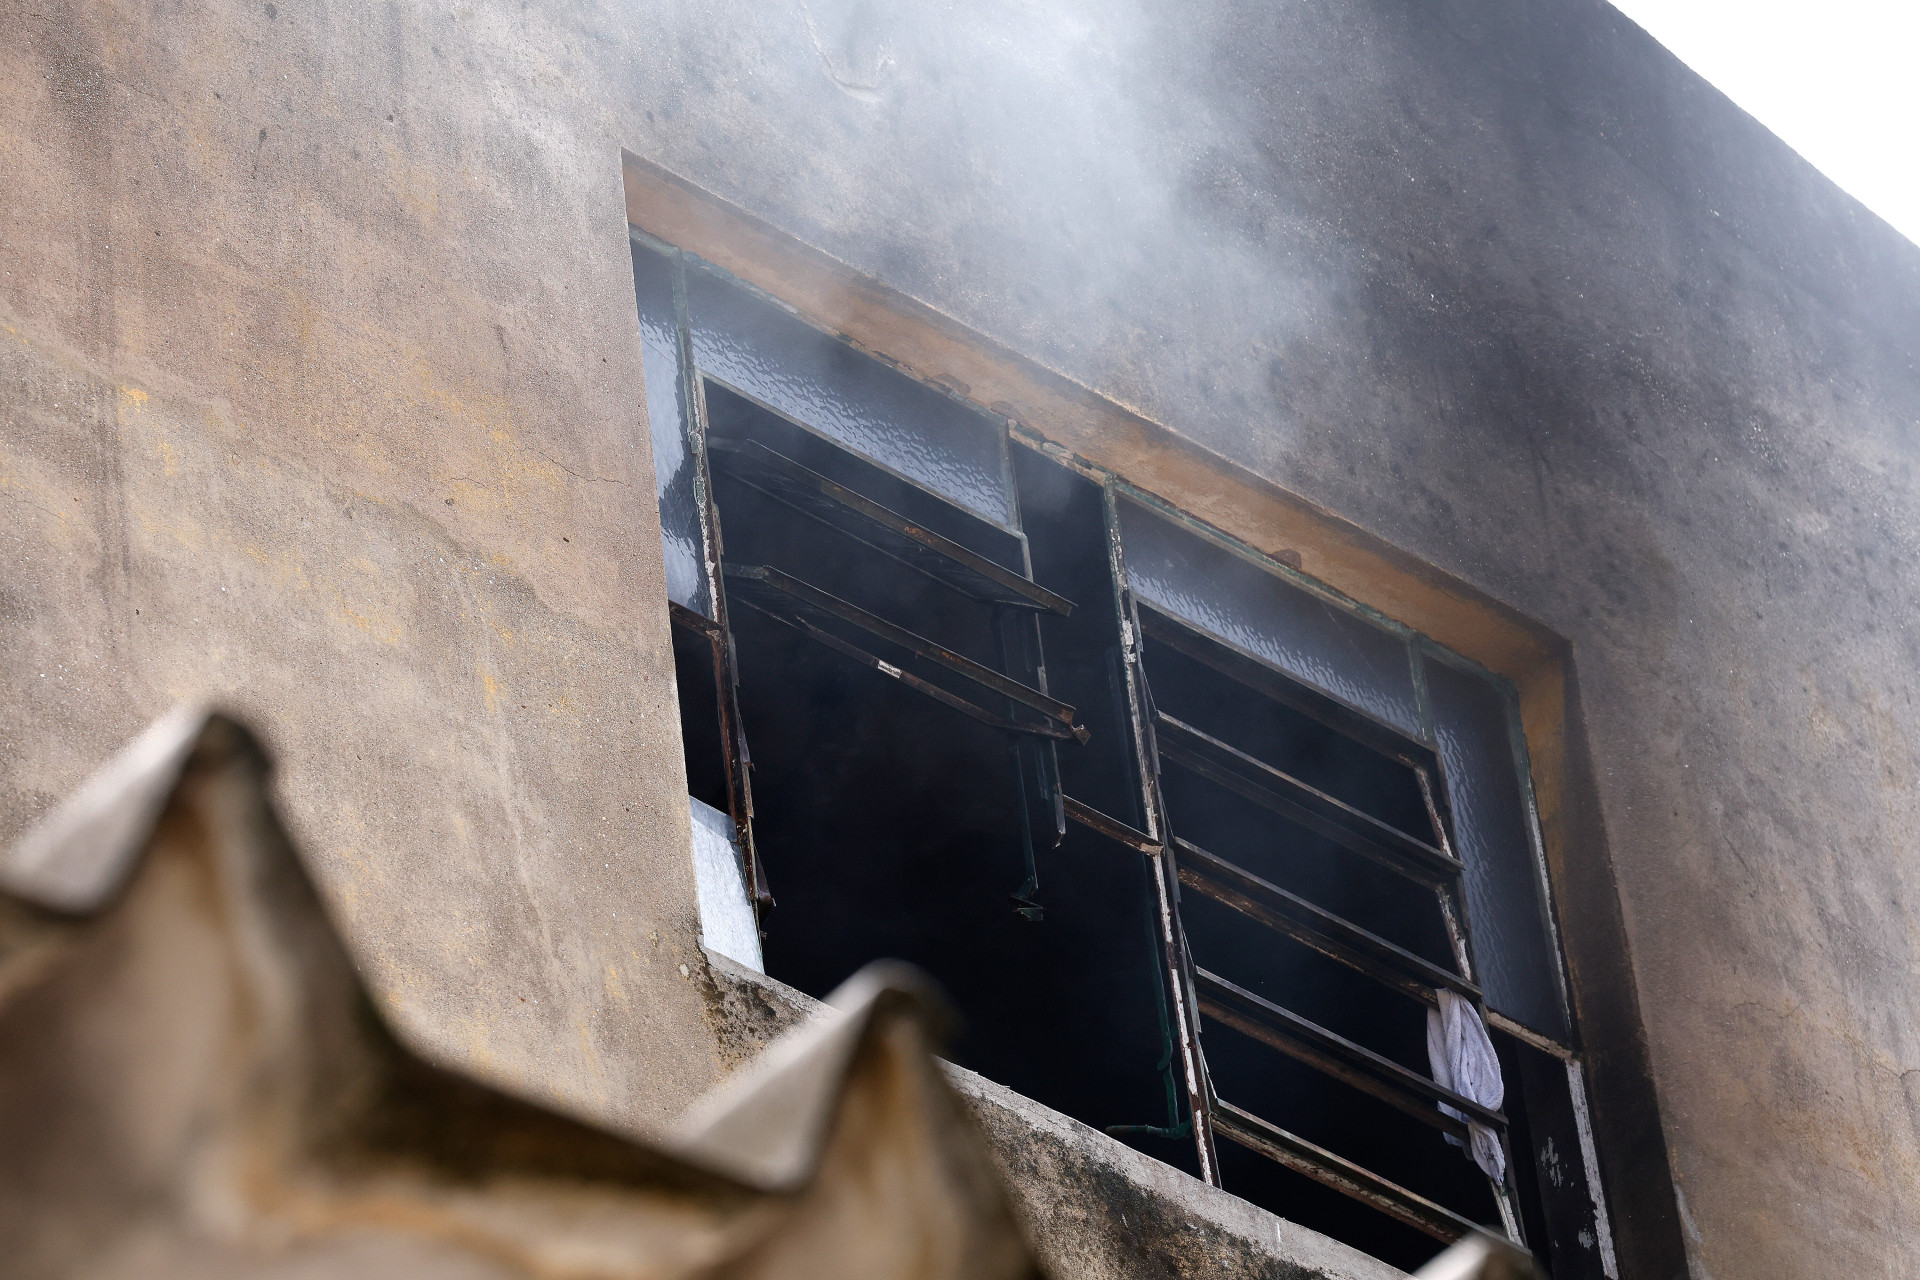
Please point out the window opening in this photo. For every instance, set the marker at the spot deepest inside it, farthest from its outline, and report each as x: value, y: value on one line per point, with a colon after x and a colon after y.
x: 1193, y: 843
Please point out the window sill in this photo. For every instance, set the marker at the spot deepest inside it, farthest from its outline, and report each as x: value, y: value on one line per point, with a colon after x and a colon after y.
x: 1094, y: 1206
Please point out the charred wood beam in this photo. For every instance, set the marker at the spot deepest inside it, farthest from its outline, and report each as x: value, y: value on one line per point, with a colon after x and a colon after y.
x: 886, y: 531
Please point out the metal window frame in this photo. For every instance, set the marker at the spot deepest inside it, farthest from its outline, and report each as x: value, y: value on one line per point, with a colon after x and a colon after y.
x: 1208, y: 1113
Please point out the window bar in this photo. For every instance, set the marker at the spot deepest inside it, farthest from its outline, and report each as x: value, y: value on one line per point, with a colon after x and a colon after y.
x: 1313, y: 926
x: 885, y: 668
x: 1333, y: 1054
x: 1112, y: 828
x: 886, y: 531
x: 1350, y: 944
x: 781, y: 593
x: 1184, y: 639
x: 1300, y: 803
x: 1452, y: 909
x: 1324, y: 1166
x: 1043, y: 819
x: 1398, y: 851
x: 733, y: 737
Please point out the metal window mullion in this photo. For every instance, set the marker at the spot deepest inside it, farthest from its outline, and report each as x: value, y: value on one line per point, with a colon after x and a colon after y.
x: 733, y: 738
x: 1043, y: 818
x: 1166, y: 885
x: 1179, y: 965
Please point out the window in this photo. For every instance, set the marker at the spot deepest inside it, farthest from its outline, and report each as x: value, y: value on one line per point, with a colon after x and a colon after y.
x: 1196, y: 845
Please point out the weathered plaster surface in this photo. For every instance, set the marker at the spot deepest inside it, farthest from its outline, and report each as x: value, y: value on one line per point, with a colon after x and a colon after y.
x: 320, y: 395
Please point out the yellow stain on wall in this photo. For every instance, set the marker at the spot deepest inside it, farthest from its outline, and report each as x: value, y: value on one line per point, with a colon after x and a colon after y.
x: 182, y: 530
x: 590, y: 1054
x: 169, y: 456
x: 283, y: 570
x: 492, y: 690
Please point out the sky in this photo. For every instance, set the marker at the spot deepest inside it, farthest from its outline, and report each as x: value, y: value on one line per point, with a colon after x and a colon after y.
x: 1838, y: 80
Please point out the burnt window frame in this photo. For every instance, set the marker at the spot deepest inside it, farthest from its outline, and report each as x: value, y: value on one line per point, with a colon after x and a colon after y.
x: 1204, y: 1111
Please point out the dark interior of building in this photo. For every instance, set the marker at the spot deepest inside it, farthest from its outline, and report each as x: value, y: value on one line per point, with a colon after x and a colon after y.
x: 890, y: 825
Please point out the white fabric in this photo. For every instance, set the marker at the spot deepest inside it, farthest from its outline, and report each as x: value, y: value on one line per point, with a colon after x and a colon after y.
x: 1463, y: 1060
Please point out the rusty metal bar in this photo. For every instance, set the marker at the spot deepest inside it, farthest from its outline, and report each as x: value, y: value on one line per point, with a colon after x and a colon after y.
x: 698, y: 623
x: 1043, y: 819
x: 1112, y: 828
x: 1044, y: 728
x: 1337, y: 1056
x: 886, y: 531
x: 1452, y: 907
x: 1323, y: 1166
x: 1185, y: 639
x: 1186, y: 1019
x: 733, y: 736
x: 1305, y: 805
x: 777, y: 593
x: 1328, y: 1066
x: 1186, y: 1014
x: 1332, y: 936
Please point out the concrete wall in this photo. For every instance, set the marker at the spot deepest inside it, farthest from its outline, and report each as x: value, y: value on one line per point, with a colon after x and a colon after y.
x: 326, y: 305
x: 320, y: 394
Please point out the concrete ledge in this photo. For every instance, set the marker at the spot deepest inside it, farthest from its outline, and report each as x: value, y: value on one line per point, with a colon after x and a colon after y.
x: 1094, y: 1207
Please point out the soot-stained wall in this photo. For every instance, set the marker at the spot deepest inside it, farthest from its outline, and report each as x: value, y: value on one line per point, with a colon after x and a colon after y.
x: 321, y: 394
x: 1507, y: 285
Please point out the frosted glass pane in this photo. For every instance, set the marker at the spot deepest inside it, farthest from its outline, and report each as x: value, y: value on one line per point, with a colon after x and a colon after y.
x: 850, y: 398
x: 673, y: 467
x: 726, y: 916
x: 1266, y: 617
x: 1506, y: 901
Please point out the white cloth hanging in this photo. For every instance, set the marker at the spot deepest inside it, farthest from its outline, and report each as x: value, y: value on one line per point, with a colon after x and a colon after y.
x: 1463, y: 1060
